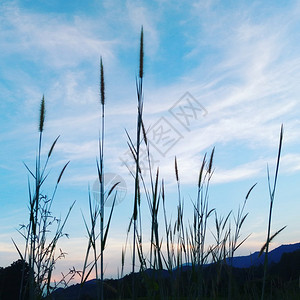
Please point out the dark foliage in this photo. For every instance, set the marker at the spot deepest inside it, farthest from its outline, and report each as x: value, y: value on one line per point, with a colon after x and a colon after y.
x: 10, y: 280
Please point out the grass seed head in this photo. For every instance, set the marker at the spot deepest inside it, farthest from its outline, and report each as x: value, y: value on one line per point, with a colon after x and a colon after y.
x: 42, y: 115
x: 211, y: 160
x: 102, y: 85
x: 142, y: 54
x: 176, y: 170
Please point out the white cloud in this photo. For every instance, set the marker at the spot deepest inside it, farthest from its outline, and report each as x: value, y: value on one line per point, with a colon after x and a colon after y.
x: 141, y: 15
x: 245, y: 171
x: 51, y: 39
x: 290, y: 163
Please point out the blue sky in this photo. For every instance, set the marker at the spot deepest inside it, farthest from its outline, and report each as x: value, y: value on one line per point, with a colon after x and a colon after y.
x: 239, y: 61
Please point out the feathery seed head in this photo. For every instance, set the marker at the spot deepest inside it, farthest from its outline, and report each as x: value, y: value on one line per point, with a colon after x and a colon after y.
x: 176, y: 170
x: 211, y: 160
x: 142, y: 54
x: 102, y: 86
x: 42, y: 115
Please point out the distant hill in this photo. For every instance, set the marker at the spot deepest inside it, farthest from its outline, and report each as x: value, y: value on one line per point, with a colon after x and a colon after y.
x: 285, y: 270
x: 274, y: 256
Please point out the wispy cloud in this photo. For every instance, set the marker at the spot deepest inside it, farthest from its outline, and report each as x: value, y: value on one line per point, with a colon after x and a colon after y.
x: 52, y: 40
x: 141, y: 15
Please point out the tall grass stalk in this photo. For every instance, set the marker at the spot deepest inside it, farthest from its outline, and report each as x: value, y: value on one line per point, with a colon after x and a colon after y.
x: 197, y: 230
x: 272, y: 196
x: 100, y: 167
x: 139, y: 89
x: 234, y: 242
x: 97, y: 209
x: 153, y: 199
x: 92, y: 242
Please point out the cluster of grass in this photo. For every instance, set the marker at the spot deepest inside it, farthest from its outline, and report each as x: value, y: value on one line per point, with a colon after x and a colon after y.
x: 173, y: 245
x: 40, y: 244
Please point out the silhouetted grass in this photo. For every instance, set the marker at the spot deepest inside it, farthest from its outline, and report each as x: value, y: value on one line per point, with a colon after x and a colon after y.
x: 40, y: 247
x: 96, y: 209
x: 175, y: 265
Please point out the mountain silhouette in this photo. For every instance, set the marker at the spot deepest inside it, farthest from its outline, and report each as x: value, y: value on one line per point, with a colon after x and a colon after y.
x: 283, y: 262
x: 253, y: 259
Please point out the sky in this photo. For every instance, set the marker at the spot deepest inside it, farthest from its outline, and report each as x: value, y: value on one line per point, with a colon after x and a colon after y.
x: 221, y: 74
